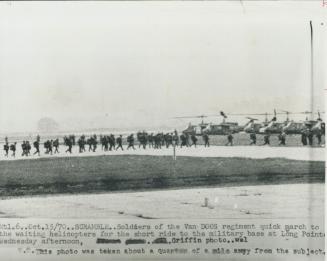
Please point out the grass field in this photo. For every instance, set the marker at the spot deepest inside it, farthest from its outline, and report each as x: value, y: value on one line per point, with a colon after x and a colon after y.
x: 114, y: 173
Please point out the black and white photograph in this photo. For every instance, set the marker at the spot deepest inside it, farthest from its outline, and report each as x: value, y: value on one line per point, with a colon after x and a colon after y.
x: 150, y: 110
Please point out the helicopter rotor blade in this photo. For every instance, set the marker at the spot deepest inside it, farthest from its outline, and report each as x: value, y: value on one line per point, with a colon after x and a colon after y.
x: 248, y: 114
x: 253, y: 119
x: 287, y: 112
x: 190, y: 117
x: 186, y: 117
x: 302, y: 112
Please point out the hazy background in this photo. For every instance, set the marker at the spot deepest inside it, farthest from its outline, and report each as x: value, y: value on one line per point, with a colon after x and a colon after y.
x: 138, y: 64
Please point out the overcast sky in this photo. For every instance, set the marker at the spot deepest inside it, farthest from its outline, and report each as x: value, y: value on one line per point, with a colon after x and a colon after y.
x: 110, y: 64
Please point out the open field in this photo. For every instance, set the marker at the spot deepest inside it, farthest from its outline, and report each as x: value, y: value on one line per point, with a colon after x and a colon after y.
x: 137, y: 172
x: 293, y: 201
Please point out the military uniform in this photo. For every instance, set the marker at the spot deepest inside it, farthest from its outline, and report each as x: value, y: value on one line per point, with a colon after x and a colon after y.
x: 194, y: 140
x: 119, y: 142
x: 36, y: 145
x: 28, y: 148
x: 206, y: 140
x: 266, y: 139
x: 230, y: 140
x: 310, y: 138
x: 183, y: 140
x: 130, y: 140
x: 318, y: 135
x: 68, y: 142
x: 6, y: 149
x: 56, y: 145
x: 304, y: 138
x: 283, y: 139
x: 13, y: 149
x: 24, y: 149
x: 253, y: 138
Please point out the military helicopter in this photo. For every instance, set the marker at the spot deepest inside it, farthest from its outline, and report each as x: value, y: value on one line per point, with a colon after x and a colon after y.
x: 252, y: 126
x: 272, y: 127
x: 194, y: 129
x: 293, y: 127
x: 316, y: 126
x: 223, y: 128
x: 233, y: 127
x: 267, y: 126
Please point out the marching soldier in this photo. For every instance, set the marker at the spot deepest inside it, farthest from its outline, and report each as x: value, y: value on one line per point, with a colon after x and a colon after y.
x: 119, y: 142
x: 105, y: 142
x: 24, y: 149
x: 253, y: 138
x: 130, y: 140
x: 194, y: 140
x: 282, y: 139
x: 6, y: 148
x: 13, y: 149
x: 46, y: 146
x: 175, y: 138
x: 83, y: 142
x: 90, y: 142
x: 157, y: 141
x: 68, y: 142
x: 162, y: 139
x: 112, y: 142
x: 142, y: 139
x: 80, y: 142
x: 50, y: 144
x: 183, y: 140
x: 36, y: 145
x: 95, y: 143
x: 304, y: 138
x: 206, y: 140
x: 56, y: 145
x: 229, y: 139
x: 139, y: 137
x: 310, y: 138
x: 28, y: 148
x: 266, y: 139
x: 102, y: 141
x: 318, y: 135
x: 187, y: 139
x: 169, y: 140
x: 151, y: 140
